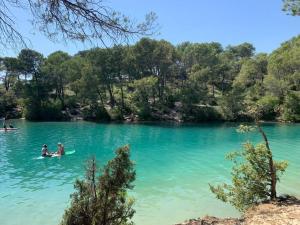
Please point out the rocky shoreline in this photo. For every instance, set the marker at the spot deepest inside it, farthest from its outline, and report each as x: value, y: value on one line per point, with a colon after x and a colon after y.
x: 174, y: 115
x: 285, y: 211
x: 169, y: 116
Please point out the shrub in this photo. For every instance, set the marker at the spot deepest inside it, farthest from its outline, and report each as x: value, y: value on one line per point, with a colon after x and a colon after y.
x: 7, y: 103
x: 196, y: 113
x: 251, y: 176
x: 231, y: 106
x: 269, y: 106
x: 96, y: 113
x: 44, y: 111
x: 116, y: 113
x: 71, y: 102
x: 291, y: 107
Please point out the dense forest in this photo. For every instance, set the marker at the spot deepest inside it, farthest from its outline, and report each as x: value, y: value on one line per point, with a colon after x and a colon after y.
x: 154, y: 80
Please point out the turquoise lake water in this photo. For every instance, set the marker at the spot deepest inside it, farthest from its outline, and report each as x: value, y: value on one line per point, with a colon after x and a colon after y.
x: 174, y: 166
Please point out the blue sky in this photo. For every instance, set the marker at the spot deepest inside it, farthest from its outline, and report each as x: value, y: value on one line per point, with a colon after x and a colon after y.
x: 230, y: 22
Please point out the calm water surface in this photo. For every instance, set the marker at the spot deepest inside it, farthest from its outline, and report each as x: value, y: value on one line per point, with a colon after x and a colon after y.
x: 174, y: 166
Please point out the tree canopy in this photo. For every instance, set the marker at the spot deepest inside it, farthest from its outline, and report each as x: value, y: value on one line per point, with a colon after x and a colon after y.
x: 153, y: 79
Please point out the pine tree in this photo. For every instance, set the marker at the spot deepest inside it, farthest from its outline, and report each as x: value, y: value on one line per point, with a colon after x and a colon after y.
x: 103, y: 200
x: 254, y: 174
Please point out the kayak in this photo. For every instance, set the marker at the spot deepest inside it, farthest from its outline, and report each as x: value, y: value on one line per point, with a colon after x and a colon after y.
x: 56, y: 155
x: 8, y: 129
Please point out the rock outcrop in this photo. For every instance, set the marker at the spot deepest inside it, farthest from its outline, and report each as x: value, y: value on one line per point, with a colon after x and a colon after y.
x: 285, y: 211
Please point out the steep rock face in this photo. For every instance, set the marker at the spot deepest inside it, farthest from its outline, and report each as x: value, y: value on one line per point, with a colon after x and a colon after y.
x: 282, y: 212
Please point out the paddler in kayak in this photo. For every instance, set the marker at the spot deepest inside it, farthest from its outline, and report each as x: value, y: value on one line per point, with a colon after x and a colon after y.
x: 60, y: 149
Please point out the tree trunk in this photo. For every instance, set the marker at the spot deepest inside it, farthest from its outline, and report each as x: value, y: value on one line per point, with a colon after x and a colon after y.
x: 122, y: 98
x: 61, y: 97
x: 61, y: 92
x: 94, y: 178
x: 100, y: 95
x: 161, y: 86
x: 6, y: 82
x: 153, y: 93
x: 37, y: 85
x: 271, y: 163
x: 105, y: 209
x: 223, y: 83
x: 111, y: 96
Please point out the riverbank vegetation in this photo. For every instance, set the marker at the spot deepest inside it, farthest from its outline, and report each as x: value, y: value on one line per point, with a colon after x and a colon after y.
x: 154, y: 80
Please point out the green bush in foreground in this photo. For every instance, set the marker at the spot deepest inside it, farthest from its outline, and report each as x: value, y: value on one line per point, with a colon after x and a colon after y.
x: 252, y: 177
x: 103, y: 200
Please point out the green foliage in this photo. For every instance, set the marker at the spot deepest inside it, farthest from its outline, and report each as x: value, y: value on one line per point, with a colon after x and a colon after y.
x: 291, y: 107
x: 144, y: 93
x: 245, y: 50
x: 103, y: 199
x: 269, y: 106
x: 292, y: 7
x: 251, y: 175
x: 29, y: 62
x: 231, y: 105
x: 116, y: 114
x: 55, y: 69
x: 245, y: 128
x: 8, y: 102
x: 275, y: 87
x: 205, y: 54
x: 251, y: 72
x: 71, y: 102
x: 44, y: 111
x: 152, y: 78
x: 201, y: 113
x: 284, y: 61
x: 96, y: 113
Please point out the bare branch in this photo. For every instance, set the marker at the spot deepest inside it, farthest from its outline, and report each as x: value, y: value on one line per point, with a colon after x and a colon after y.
x: 78, y: 20
x: 9, y: 36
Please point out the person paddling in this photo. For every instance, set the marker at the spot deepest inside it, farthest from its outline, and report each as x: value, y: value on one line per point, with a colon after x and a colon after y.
x: 45, y: 152
x: 60, y: 149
